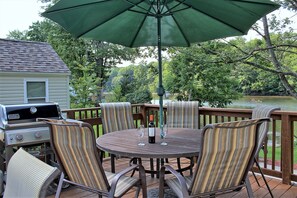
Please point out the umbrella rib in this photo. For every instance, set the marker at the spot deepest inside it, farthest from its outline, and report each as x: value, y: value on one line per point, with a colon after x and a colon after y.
x: 95, y: 26
x: 151, y: 5
x: 164, y: 5
x: 249, y: 11
x: 71, y: 7
x: 149, y: 13
x: 134, y: 38
x: 255, y: 2
x: 229, y: 25
x: 167, y: 13
x: 170, y: 10
x: 147, y: 10
x: 187, y: 41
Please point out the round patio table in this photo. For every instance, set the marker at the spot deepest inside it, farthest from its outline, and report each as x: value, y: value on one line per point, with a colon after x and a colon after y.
x: 181, y: 142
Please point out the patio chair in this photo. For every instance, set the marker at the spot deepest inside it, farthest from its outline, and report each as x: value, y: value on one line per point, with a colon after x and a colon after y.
x: 78, y: 157
x: 115, y: 117
x: 183, y: 114
x: 28, y: 176
x: 227, y: 152
x: 262, y: 111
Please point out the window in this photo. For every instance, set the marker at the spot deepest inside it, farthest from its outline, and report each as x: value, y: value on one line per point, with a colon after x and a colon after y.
x: 36, y: 91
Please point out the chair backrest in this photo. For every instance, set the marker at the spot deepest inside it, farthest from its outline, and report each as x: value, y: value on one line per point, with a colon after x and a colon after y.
x: 183, y: 114
x: 116, y: 116
x: 28, y: 176
x: 75, y: 149
x: 263, y: 111
x: 226, y: 156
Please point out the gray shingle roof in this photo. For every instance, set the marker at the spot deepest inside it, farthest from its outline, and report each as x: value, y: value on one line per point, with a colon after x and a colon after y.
x: 29, y: 56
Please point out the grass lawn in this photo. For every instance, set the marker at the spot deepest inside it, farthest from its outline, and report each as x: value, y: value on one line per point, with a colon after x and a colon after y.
x: 278, y: 153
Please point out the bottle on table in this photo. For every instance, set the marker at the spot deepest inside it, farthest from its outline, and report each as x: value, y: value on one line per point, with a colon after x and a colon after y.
x: 151, y: 130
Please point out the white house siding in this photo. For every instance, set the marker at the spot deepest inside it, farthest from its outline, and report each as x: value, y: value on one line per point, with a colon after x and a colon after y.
x: 12, y: 88
x: 59, y: 91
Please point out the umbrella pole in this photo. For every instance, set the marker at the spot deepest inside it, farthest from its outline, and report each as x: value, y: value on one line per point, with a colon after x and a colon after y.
x: 160, y: 88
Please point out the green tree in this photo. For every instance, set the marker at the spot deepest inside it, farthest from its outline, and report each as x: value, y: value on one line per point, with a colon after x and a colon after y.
x: 193, y: 74
x: 130, y: 84
x: 253, y: 80
x: 17, y: 34
x: 272, y: 52
x: 84, y: 91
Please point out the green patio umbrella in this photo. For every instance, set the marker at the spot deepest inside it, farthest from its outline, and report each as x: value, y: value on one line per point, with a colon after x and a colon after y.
x: 136, y: 23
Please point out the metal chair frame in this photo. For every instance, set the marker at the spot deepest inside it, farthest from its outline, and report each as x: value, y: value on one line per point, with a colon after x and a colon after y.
x: 203, y: 182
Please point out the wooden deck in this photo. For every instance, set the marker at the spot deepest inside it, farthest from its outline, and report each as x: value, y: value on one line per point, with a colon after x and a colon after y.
x: 278, y: 189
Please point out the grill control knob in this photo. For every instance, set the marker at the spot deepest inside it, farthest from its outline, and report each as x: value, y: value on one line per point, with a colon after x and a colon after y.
x: 37, y: 135
x: 19, y: 137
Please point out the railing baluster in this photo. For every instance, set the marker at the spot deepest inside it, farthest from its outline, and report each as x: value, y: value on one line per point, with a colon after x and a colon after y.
x: 273, y: 144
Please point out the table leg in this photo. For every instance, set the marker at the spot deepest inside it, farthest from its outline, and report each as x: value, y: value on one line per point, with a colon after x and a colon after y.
x: 158, y: 167
x: 152, y: 167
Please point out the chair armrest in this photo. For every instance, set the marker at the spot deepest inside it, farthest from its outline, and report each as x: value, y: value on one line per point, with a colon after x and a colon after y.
x: 122, y: 173
x: 179, y: 177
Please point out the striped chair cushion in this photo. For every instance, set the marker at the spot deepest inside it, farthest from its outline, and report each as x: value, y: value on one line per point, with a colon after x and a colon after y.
x: 263, y: 111
x: 176, y: 187
x: 227, y: 150
x: 74, y: 142
x: 116, y: 116
x: 226, y: 153
x: 74, y: 145
x: 183, y: 114
x: 123, y: 185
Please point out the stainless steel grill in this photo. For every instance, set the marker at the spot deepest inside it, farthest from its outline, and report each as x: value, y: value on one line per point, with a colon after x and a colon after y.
x: 19, y: 128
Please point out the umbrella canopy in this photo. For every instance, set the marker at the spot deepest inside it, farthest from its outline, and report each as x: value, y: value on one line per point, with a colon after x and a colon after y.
x: 135, y: 23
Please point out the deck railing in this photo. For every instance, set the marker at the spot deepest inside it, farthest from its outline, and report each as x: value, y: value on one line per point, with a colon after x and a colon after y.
x: 277, y: 159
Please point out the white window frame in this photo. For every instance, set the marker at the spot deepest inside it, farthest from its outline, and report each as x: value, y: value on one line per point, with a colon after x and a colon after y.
x: 35, y: 80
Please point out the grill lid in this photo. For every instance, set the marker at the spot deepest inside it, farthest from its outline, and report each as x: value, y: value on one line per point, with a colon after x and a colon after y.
x: 13, y: 114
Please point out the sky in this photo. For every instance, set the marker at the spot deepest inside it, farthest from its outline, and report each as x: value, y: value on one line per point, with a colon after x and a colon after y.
x: 20, y: 14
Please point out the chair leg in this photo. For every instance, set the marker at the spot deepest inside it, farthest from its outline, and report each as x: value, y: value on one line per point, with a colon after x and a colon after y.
x: 256, y: 178
x: 258, y: 165
x: 59, y: 189
x: 134, y: 161
x: 249, y: 187
x: 143, y: 181
x: 137, y: 191
x: 161, y: 184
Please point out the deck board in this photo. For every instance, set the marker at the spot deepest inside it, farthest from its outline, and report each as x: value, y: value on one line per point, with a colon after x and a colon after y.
x: 278, y: 189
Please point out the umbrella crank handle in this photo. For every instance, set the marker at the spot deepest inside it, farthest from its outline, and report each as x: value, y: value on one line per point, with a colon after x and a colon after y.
x: 160, y: 91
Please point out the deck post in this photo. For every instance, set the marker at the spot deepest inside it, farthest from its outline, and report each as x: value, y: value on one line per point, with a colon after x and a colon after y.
x: 286, y: 149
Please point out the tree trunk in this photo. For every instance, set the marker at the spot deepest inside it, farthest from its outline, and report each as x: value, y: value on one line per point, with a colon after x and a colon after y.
x: 275, y: 61
x: 100, y: 74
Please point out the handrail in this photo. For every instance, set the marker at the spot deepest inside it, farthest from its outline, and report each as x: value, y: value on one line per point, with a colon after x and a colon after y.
x: 281, y: 127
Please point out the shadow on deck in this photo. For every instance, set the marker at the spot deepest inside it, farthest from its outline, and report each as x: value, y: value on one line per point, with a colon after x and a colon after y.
x: 278, y: 189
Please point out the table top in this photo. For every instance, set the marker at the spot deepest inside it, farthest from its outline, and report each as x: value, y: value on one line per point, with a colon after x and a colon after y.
x: 181, y: 143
